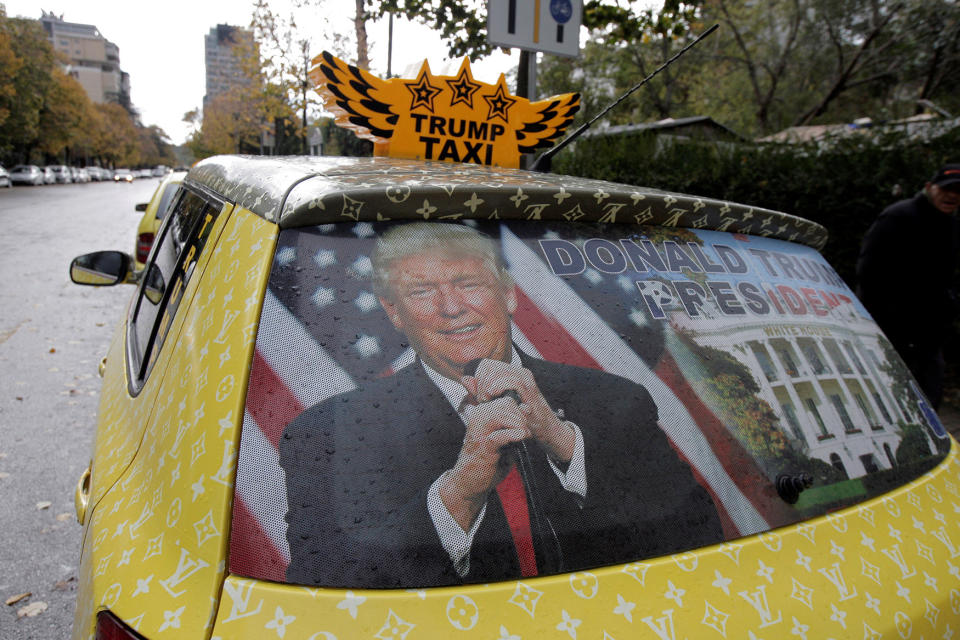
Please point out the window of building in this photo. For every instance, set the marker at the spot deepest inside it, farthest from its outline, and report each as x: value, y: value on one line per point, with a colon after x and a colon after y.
x: 869, y: 463
x: 841, y: 408
x: 838, y: 464
x: 812, y: 354
x: 867, y: 411
x: 791, y: 416
x: 890, y: 457
x: 785, y: 354
x: 837, y: 356
x: 815, y: 412
x: 852, y: 352
x: 763, y: 358
x: 882, y: 407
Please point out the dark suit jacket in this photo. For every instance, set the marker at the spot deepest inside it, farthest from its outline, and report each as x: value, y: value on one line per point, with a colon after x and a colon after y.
x: 359, y: 466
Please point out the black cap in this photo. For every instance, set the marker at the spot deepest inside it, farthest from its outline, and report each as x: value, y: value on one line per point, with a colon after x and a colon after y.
x: 947, y: 177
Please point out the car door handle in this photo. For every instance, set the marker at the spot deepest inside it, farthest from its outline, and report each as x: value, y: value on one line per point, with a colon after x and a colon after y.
x: 81, y: 496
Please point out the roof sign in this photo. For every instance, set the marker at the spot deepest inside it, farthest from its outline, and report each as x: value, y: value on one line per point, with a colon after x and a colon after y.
x: 446, y: 118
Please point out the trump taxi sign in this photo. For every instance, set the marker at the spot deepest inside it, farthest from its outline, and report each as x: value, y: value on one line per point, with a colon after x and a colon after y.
x: 435, y: 117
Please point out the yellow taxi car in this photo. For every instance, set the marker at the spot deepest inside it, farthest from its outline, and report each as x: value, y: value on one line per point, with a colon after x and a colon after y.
x: 153, y: 213
x: 381, y: 398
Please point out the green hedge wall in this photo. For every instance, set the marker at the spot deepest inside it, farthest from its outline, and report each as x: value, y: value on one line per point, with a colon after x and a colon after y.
x: 842, y: 185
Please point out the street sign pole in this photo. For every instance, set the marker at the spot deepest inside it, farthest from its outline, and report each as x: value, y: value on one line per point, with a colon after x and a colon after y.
x: 548, y: 26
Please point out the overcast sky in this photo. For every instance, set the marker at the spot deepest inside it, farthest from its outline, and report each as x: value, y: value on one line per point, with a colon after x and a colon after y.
x: 161, y: 46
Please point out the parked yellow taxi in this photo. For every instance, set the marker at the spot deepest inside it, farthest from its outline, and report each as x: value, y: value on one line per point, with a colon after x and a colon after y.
x: 153, y: 213
x: 394, y: 398
x: 385, y: 398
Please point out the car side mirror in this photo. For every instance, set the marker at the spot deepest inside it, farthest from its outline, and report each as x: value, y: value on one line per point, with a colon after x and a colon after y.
x: 142, y: 206
x: 102, y: 269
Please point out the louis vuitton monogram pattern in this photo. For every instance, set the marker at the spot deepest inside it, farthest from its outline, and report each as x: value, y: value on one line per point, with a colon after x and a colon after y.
x: 305, y: 191
x: 155, y: 545
x: 889, y: 568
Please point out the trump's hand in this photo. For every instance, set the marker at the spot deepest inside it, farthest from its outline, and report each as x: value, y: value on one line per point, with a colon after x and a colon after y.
x: 494, y: 378
x: 510, y: 408
x: 484, y: 459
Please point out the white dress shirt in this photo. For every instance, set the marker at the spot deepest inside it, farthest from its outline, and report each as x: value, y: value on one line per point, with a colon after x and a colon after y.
x: 455, y: 540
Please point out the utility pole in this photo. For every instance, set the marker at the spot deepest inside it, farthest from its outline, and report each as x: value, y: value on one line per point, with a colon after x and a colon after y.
x: 390, y: 47
x: 527, y: 88
x: 305, y: 47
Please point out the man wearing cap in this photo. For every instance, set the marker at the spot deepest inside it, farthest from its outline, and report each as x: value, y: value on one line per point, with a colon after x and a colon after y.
x: 907, y: 273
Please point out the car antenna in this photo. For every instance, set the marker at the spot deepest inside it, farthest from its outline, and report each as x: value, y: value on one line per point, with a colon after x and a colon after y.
x: 543, y: 162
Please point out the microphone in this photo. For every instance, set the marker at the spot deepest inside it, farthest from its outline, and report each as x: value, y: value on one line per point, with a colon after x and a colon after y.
x: 470, y: 369
x: 551, y: 554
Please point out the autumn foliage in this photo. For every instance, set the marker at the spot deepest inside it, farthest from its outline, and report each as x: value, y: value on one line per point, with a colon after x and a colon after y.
x: 47, y: 117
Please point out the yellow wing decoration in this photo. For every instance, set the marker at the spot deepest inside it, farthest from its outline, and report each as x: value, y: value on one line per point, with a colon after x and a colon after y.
x: 359, y: 100
x: 543, y: 122
x: 446, y: 118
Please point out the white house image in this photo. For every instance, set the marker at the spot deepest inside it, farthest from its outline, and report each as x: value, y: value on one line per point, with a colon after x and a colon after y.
x: 822, y: 376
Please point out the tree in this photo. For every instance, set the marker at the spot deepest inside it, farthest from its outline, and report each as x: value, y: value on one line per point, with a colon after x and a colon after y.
x: 808, y: 61
x: 119, y: 141
x: 627, y: 42
x: 461, y: 23
x: 281, y: 66
x: 772, y: 64
x: 10, y: 64
x: 231, y: 124
x: 66, y: 117
x: 155, y: 147
x: 30, y: 87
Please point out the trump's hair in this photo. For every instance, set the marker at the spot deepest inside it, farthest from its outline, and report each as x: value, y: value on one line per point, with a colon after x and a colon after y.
x: 439, y: 238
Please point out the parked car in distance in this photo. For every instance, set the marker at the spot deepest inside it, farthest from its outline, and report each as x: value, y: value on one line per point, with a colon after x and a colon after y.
x: 82, y: 175
x: 49, y: 177
x: 122, y: 175
x: 5, y: 178
x: 62, y: 173
x: 153, y: 213
x: 711, y: 437
x: 27, y: 174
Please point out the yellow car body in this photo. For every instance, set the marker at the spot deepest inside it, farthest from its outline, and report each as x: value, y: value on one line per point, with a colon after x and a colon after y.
x: 153, y: 212
x: 158, y: 508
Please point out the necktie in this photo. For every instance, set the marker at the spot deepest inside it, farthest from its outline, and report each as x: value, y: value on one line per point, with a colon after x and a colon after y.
x: 513, y: 499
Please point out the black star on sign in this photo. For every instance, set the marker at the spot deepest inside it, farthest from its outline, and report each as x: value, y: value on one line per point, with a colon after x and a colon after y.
x: 423, y: 92
x: 463, y: 87
x: 500, y: 102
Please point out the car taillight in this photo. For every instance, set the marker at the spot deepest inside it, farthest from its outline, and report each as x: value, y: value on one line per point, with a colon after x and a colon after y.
x: 109, y: 627
x: 144, y: 242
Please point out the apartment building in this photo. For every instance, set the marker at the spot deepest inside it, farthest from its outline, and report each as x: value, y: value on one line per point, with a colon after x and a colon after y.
x: 223, y: 55
x: 93, y: 60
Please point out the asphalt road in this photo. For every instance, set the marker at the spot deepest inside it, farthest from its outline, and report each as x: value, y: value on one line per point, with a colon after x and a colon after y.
x: 52, y: 336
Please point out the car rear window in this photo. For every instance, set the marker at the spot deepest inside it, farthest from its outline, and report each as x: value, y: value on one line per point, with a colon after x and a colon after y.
x: 672, y: 388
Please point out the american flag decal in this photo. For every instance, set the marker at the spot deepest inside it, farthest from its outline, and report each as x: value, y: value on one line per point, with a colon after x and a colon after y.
x: 323, y: 331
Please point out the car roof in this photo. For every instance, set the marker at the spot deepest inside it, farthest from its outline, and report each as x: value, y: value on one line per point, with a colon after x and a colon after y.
x: 298, y: 191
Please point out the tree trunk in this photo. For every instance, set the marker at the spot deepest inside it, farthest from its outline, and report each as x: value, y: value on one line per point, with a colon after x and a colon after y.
x: 360, y: 24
